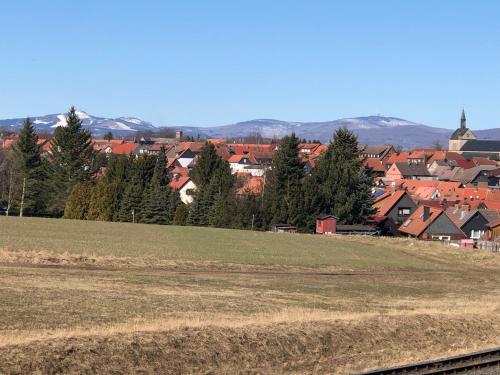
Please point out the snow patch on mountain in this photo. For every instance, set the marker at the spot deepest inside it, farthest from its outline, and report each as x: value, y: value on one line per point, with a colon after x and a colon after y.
x: 61, y: 122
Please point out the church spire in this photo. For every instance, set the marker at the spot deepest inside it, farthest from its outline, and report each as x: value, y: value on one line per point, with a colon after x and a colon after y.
x: 463, y: 120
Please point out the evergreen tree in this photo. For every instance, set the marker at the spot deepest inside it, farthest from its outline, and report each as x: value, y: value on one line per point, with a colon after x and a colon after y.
x: 343, y: 185
x: 283, y: 196
x: 213, y: 200
x: 29, y: 171
x: 77, y: 206
x: 103, y: 203
x: 156, y: 200
x: 173, y: 204
x: 249, y: 213
x: 139, y: 177
x: 119, y: 167
x: 72, y: 160
x: 108, y: 136
x: 181, y: 214
x: 208, y: 161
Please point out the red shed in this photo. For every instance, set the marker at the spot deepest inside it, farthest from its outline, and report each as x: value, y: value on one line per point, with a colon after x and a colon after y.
x: 326, y: 224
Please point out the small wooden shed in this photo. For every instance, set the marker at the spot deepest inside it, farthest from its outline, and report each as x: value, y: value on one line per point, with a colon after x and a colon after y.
x: 326, y: 224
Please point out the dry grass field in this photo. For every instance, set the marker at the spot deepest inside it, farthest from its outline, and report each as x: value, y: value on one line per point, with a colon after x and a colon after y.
x: 90, y: 297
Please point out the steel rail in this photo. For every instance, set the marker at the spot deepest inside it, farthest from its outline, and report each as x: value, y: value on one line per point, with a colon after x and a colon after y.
x: 450, y: 365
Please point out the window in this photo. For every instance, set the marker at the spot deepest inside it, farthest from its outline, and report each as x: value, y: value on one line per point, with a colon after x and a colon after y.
x: 404, y: 211
x: 441, y: 238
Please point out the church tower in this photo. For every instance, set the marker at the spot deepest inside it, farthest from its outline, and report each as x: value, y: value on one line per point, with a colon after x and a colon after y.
x: 461, y: 135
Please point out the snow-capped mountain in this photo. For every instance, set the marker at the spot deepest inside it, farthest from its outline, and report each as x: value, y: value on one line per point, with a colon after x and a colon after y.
x: 97, y: 125
x: 370, y: 130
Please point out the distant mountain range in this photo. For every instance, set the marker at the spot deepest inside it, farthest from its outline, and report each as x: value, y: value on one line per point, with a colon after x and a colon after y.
x: 370, y: 129
x: 121, y: 126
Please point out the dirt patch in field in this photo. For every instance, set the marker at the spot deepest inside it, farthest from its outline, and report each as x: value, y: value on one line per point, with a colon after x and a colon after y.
x: 322, y: 347
x: 68, y: 260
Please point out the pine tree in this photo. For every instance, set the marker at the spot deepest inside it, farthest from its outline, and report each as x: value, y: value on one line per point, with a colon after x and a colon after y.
x: 103, y: 203
x: 77, y: 206
x: 29, y: 170
x: 72, y: 160
x: 208, y: 161
x: 181, y: 214
x: 139, y: 177
x: 283, y: 196
x: 213, y: 200
x: 156, y: 199
x: 119, y: 167
x: 344, y: 187
x: 108, y: 136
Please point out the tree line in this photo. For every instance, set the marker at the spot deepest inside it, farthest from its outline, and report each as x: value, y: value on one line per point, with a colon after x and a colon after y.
x: 75, y: 182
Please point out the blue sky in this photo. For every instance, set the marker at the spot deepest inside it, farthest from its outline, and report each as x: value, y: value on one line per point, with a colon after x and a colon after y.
x: 217, y: 62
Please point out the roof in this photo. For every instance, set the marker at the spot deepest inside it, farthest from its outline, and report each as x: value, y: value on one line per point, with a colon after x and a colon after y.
x: 308, y: 146
x: 178, y: 183
x: 389, y: 202
x: 491, y: 215
x: 125, y: 148
x: 415, y: 225
x: 374, y: 164
x: 491, y: 204
x: 397, y: 157
x: 477, y: 160
x: 481, y: 145
x: 376, y: 149
x: 252, y: 186
x: 412, y: 169
x: 458, y: 133
x: 193, y: 146
x: 460, y: 216
x: 216, y: 140
x: 180, y: 170
x: 237, y: 158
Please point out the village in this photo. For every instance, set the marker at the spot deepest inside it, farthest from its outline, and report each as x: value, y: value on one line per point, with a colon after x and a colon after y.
x: 425, y: 193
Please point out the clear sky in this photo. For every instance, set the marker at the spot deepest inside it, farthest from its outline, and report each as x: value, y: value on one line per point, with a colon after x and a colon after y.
x: 217, y: 62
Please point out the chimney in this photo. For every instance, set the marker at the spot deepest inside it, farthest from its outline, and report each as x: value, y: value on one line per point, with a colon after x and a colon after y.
x: 427, y: 213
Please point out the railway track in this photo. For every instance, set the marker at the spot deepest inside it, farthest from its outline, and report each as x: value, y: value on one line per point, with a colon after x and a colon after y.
x: 462, y: 364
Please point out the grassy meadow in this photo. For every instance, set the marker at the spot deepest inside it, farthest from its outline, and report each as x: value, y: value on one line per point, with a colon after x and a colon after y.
x: 143, y: 298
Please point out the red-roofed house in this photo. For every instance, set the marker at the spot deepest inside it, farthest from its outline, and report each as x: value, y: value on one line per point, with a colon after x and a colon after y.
x: 431, y: 223
x: 397, y: 206
x: 123, y: 149
x: 185, y: 186
x: 252, y: 186
x: 246, y: 163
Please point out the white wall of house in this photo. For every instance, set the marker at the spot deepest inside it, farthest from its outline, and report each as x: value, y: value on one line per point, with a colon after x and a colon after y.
x: 251, y: 169
x: 184, y: 162
x: 188, y: 187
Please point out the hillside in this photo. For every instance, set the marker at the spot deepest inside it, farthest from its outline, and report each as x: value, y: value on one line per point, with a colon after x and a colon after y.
x: 370, y: 129
x: 82, y: 297
x: 121, y: 126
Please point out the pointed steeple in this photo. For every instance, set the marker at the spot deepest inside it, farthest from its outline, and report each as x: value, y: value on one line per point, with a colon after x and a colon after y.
x: 463, y: 120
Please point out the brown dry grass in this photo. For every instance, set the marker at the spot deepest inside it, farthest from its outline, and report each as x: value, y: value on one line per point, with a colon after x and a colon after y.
x: 326, y: 347
x: 107, y: 312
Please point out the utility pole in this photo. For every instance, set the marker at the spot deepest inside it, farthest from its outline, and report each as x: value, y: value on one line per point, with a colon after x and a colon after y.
x: 22, y: 198
x: 253, y: 219
x: 133, y: 216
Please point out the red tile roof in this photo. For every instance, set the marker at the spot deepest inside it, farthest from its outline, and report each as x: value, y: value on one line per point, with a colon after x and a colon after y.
x: 178, y: 183
x: 374, y: 164
x: 389, y: 202
x: 253, y: 185
x: 124, y: 149
x: 415, y: 225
